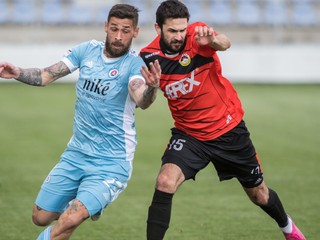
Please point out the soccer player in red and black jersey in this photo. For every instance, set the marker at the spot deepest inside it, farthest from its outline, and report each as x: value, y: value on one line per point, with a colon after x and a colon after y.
x: 208, y: 119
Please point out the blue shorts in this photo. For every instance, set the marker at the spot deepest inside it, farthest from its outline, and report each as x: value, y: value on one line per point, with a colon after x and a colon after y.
x: 93, y: 181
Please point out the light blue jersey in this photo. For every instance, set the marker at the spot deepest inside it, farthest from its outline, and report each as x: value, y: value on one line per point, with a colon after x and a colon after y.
x: 97, y: 163
x: 104, y: 123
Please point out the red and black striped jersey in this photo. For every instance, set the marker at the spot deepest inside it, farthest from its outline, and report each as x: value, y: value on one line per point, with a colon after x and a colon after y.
x: 203, y: 103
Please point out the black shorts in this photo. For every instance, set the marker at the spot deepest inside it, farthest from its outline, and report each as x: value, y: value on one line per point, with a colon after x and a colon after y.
x: 232, y: 154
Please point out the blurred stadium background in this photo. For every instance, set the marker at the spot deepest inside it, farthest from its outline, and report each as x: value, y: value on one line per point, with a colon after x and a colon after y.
x: 274, y: 41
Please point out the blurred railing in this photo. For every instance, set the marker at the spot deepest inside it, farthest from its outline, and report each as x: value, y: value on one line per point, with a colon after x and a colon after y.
x: 245, y: 21
x: 219, y: 12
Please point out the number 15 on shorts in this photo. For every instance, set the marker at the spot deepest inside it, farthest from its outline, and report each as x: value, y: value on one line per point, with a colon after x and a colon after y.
x: 177, y: 144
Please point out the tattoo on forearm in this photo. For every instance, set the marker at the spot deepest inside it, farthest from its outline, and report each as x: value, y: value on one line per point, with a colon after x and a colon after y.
x: 57, y: 70
x: 31, y: 76
x: 149, y: 94
x: 34, y: 76
x: 136, y: 84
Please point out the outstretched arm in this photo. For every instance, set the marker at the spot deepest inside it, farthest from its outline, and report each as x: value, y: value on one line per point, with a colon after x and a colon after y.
x: 34, y: 76
x: 143, y: 93
x: 206, y: 36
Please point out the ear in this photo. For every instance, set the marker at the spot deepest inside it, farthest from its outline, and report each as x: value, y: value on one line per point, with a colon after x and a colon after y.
x: 136, y: 32
x: 157, y: 28
x: 105, y: 26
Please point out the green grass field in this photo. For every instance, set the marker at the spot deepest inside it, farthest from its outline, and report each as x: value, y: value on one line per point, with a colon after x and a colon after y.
x: 36, y: 124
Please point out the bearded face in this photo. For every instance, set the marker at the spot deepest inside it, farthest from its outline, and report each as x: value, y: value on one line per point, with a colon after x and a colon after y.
x: 172, y: 45
x: 173, y: 34
x: 120, y: 33
x: 116, y: 48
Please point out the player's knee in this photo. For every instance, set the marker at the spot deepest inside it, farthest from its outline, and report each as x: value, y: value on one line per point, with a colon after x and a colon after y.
x: 259, y: 195
x: 41, y: 217
x: 166, y: 184
x: 260, y: 199
x: 39, y: 220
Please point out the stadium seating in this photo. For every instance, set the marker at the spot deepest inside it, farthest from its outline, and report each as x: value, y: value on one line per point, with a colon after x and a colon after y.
x: 303, y: 14
x: 79, y: 14
x: 248, y: 13
x: 220, y: 12
x: 154, y: 5
x: 24, y: 12
x: 197, y: 10
x: 275, y: 13
x: 216, y: 12
x: 145, y: 15
x: 100, y: 15
x: 3, y: 11
x: 52, y: 12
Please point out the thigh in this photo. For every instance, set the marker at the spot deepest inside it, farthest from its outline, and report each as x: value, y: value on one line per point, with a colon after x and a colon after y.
x: 185, y: 152
x: 169, y: 178
x: 102, y: 184
x: 42, y: 217
x: 234, y: 155
x: 59, y: 187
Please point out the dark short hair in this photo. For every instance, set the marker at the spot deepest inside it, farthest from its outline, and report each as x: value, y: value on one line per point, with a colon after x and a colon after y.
x: 171, y: 9
x: 123, y: 11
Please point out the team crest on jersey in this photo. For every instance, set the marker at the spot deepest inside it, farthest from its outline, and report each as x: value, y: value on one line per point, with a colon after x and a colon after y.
x: 113, y: 73
x: 185, y: 60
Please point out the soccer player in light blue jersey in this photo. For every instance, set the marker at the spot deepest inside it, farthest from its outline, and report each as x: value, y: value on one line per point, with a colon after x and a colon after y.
x: 97, y: 162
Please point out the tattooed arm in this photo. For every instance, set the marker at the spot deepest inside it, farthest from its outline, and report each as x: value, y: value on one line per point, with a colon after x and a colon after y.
x: 143, y: 93
x: 34, y: 76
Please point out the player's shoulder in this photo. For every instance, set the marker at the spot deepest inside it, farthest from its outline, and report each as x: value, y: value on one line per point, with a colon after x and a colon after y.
x: 94, y: 43
x: 132, y: 56
x: 132, y: 53
x: 87, y: 45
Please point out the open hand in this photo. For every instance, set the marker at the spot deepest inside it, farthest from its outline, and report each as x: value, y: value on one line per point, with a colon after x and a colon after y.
x: 7, y: 70
x: 153, y: 75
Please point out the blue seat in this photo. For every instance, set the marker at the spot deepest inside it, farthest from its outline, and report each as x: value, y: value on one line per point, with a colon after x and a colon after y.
x: 101, y: 15
x: 3, y: 12
x: 303, y: 14
x: 248, y: 13
x: 220, y: 13
x: 303, y: 1
x: 145, y: 15
x: 52, y: 12
x: 196, y: 10
x: 78, y: 15
x: 154, y: 7
x: 275, y: 13
x: 24, y: 12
